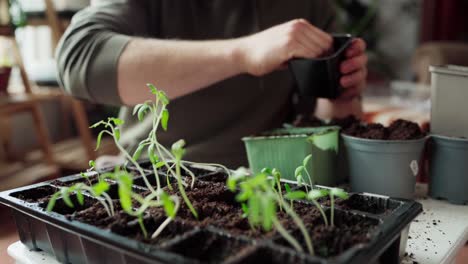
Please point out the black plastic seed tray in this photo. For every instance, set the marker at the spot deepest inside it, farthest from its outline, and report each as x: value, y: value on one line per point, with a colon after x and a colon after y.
x: 74, y: 241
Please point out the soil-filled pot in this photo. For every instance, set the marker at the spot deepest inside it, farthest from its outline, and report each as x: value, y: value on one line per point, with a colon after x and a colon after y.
x: 448, y: 169
x: 321, y: 77
x: 285, y: 149
x: 5, y: 73
x: 386, y: 167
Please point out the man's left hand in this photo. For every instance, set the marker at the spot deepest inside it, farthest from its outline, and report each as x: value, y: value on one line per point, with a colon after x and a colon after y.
x: 354, y: 70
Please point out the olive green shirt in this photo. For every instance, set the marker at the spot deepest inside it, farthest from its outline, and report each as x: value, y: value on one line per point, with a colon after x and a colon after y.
x: 212, y: 120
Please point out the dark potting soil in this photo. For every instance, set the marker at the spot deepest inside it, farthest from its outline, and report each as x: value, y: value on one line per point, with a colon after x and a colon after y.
x: 363, y: 204
x: 36, y: 195
x: 217, y: 207
x: 345, y: 122
x: 398, y: 130
x: 348, y: 230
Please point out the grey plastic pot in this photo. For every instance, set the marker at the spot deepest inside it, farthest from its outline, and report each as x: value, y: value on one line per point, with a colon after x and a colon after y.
x: 448, y: 173
x: 387, y: 167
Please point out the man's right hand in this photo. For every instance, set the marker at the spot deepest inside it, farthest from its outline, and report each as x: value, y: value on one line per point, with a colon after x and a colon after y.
x: 271, y: 49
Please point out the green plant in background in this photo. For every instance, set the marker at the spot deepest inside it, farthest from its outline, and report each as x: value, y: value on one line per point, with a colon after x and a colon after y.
x: 300, y: 170
x: 262, y: 202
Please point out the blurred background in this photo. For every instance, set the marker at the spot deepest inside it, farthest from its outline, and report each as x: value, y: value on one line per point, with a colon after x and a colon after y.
x: 44, y: 133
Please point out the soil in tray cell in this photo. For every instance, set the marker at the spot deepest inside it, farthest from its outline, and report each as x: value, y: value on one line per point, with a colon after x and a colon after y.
x: 265, y: 254
x: 368, y: 204
x: 206, y: 246
x: 36, y: 195
x: 348, y: 231
x: 62, y: 208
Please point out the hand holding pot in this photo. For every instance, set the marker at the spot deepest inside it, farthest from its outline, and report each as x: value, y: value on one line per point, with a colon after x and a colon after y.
x: 353, y: 70
x: 271, y: 49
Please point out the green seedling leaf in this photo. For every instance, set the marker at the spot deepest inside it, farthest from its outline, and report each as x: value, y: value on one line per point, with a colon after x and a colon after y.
x: 299, y: 179
x: 80, y: 197
x: 296, y: 195
x: 267, y: 171
x: 98, y: 140
x: 178, y: 148
x: 164, y: 119
x: 116, y: 121
x: 306, y: 160
x: 84, y: 175
x: 137, y: 153
x: 338, y: 192
x: 163, y: 97
x: 92, y: 164
x: 231, y: 184
x: 66, y: 197
x: 287, y: 188
x: 125, y: 182
x: 245, y: 210
x: 152, y: 88
x: 152, y: 154
x: 169, y: 206
x: 269, y: 212
x: 298, y: 171
x: 244, y: 195
x: 254, y: 210
x: 143, y: 111
x: 159, y: 164
x: 316, y: 194
x: 136, y: 108
x: 52, y: 201
x: 100, y: 188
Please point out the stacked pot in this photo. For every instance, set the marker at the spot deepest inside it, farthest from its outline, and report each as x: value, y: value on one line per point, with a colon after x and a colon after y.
x: 448, y: 171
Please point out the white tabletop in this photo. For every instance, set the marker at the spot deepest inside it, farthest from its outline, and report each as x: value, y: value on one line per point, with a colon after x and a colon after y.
x: 435, y: 236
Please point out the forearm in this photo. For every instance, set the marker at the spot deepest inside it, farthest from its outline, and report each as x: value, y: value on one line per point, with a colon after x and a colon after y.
x: 177, y: 67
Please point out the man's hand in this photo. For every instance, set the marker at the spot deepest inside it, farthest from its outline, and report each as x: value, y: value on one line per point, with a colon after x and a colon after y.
x: 354, y: 70
x: 271, y: 49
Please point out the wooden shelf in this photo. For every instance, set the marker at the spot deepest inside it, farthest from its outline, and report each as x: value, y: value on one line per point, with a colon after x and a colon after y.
x: 18, y: 174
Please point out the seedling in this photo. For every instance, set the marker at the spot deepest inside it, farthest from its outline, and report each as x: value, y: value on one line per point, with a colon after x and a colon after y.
x: 299, y: 171
x: 262, y: 201
x: 338, y: 193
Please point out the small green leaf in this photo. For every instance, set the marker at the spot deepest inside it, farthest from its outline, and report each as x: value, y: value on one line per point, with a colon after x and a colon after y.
x: 231, y: 184
x: 178, y: 148
x: 339, y: 193
x: 84, y: 175
x: 276, y: 174
x: 154, y: 159
x: 152, y: 88
x: 306, y: 160
x: 169, y: 206
x: 137, y: 153
x: 254, y: 210
x: 266, y: 171
x: 269, y: 212
x: 164, y: 119
x: 298, y: 171
x: 159, y: 164
x: 117, y: 121
x: 99, y: 138
x: 66, y: 197
x: 52, y: 201
x: 92, y: 164
x: 296, y: 195
x: 142, y: 112
x: 316, y: 194
x: 125, y: 182
x: 244, y: 195
x: 100, y: 187
x: 136, y: 108
x: 117, y: 134
x: 79, y: 197
x: 287, y: 188
x: 245, y: 209
x: 163, y: 97
x: 299, y: 179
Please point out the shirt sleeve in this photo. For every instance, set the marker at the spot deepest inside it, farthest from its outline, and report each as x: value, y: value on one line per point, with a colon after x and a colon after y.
x: 88, y: 53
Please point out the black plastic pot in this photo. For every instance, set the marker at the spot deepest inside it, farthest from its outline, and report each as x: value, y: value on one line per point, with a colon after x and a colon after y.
x: 72, y: 241
x: 321, y: 77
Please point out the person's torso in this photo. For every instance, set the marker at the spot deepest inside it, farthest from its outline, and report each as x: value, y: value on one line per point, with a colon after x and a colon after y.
x: 214, y: 119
